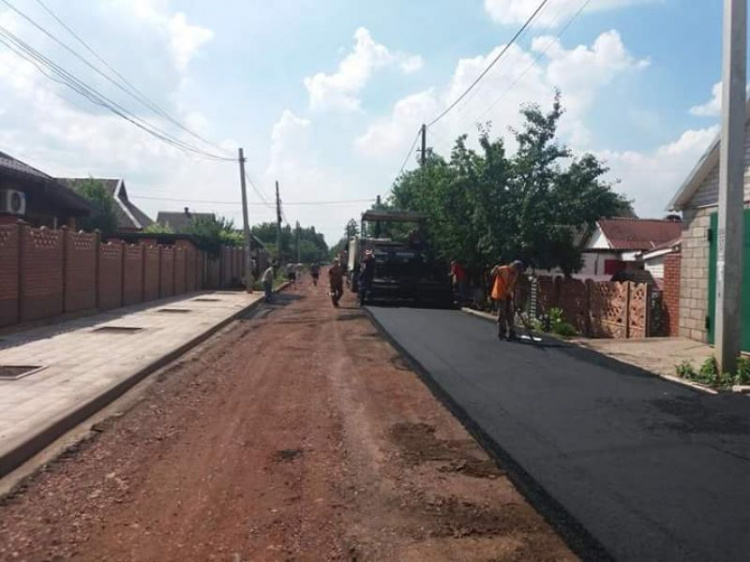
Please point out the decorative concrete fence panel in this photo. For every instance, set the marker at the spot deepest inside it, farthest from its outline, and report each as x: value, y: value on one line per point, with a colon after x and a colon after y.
x: 110, y: 275
x: 80, y: 262
x: 10, y: 253
x: 42, y: 281
x: 132, y: 275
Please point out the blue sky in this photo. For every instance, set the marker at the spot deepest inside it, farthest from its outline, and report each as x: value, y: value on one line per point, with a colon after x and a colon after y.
x: 326, y: 96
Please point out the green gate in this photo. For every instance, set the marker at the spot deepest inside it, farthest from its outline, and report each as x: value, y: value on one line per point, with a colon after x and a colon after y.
x: 745, y: 311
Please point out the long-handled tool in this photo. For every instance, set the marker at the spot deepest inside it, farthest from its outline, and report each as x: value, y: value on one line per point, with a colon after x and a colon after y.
x: 527, y: 326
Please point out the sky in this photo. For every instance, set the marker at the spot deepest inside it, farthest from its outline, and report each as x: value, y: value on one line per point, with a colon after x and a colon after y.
x: 327, y: 96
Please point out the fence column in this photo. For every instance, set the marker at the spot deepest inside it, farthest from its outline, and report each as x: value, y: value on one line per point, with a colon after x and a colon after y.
x: 627, y: 309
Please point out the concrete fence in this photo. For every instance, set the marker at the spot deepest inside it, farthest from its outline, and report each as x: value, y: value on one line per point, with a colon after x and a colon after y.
x: 597, y: 309
x: 46, y: 273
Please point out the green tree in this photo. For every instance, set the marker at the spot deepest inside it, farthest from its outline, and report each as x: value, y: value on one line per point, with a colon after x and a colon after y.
x: 210, y: 234
x: 485, y: 205
x: 158, y: 228
x: 104, y: 217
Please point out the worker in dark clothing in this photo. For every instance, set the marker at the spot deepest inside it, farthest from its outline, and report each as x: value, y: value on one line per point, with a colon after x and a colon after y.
x: 336, y: 282
x: 366, y: 276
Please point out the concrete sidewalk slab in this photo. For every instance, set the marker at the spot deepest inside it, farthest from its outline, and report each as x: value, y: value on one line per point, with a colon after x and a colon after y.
x: 83, y: 364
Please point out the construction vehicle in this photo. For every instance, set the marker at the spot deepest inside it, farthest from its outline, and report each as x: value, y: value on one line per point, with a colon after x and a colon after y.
x: 406, y: 270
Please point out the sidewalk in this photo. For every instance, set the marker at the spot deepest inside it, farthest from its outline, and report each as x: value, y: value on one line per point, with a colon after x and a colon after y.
x: 77, y: 367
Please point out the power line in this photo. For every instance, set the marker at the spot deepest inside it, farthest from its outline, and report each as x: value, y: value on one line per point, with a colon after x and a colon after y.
x: 489, y: 66
x: 212, y: 202
x: 46, y: 65
x: 131, y: 89
x: 408, y: 155
x: 536, y: 59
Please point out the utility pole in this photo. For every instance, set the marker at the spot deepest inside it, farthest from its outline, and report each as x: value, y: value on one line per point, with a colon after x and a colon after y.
x: 423, y: 156
x: 278, y: 222
x: 249, y: 281
x: 728, y: 329
x: 299, y: 260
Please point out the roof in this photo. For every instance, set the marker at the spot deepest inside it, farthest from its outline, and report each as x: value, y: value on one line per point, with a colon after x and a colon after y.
x: 180, y: 221
x: 662, y: 250
x: 699, y: 173
x: 53, y: 189
x: 639, y: 234
x: 393, y: 216
x: 129, y: 217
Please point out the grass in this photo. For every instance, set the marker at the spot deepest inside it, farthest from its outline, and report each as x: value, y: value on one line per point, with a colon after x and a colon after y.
x: 709, y: 375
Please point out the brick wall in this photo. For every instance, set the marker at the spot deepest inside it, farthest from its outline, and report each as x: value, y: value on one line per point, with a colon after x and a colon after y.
x: 166, y: 281
x: 110, y: 275
x: 80, y: 261
x: 693, y: 303
x: 9, y: 258
x: 151, y: 267
x: 191, y: 274
x: 41, y: 273
x: 132, y: 275
x: 180, y: 263
x: 671, y: 294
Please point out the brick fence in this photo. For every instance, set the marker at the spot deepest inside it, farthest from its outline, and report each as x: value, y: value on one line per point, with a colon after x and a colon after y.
x: 597, y: 309
x: 671, y: 294
x: 46, y: 273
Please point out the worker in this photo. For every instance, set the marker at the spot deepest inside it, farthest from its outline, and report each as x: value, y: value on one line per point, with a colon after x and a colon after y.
x: 505, y: 278
x: 315, y: 273
x: 268, y: 276
x: 458, y: 279
x: 291, y: 274
x: 366, y: 276
x: 336, y: 282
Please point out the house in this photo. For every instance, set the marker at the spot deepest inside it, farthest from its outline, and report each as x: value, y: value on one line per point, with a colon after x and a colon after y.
x: 653, y: 260
x: 37, y: 198
x: 180, y: 221
x: 129, y: 217
x: 697, y: 199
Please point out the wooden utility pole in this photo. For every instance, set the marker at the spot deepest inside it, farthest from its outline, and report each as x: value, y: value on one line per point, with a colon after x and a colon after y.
x: 249, y: 281
x: 728, y: 329
x: 278, y: 223
x: 423, y: 156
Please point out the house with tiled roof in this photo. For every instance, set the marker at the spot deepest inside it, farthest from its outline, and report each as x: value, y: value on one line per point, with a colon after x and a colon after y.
x: 619, y: 243
x: 129, y: 217
x: 31, y: 195
x: 179, y: 222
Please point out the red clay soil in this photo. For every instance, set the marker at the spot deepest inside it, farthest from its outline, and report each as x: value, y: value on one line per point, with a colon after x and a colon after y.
x: 297, y: 434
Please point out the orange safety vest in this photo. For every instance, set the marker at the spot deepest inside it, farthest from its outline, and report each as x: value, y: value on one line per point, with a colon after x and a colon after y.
x: 505, y: 282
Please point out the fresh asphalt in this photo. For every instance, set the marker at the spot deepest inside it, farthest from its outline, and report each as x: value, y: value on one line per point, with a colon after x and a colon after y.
x: 625, y: 464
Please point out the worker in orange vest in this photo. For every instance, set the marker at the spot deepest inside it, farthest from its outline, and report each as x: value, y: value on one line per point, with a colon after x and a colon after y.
x: 505, y: 278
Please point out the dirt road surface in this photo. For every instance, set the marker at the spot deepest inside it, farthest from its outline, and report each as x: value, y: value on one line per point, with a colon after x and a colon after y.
x: 295, y: 434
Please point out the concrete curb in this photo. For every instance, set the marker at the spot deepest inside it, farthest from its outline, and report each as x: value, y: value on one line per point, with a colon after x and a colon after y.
x: 22, y: 451
x: 676, y: 380
x: 575, y: 535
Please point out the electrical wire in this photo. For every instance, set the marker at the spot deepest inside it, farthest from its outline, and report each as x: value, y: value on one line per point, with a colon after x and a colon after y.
x: 62, y: 76
x: 212, y: 202
x: 489, y: 66
x: 536, y: 59
x: 127, y: 86
x: 408, y: 155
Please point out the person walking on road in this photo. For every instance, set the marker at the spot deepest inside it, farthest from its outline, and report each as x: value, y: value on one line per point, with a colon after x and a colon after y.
x: 267, y: 280
x: 366, y: 276
x: 458, y: 278
x: 315, y: 273
x: 336, y: 282
x: 291, y: 274
x: 503, y: 287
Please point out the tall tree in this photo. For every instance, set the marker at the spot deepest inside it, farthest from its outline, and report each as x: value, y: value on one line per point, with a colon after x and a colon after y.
x: 104, y: 218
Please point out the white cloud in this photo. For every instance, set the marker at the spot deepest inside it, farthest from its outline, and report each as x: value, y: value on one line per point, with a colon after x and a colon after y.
x: 510, y: 12
x: 341, y: 90
x: 712, y: 108
x: 652, y: 178
x: 581, y: 73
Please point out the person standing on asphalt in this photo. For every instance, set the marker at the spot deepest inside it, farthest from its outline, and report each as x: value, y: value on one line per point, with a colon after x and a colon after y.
x: 366, y: 276
x: 503, y: 287
x: 336, y: 282
x: 315, y: 273
x: 267, y: 279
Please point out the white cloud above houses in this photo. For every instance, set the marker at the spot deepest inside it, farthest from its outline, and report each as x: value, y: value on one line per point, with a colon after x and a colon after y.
x: 521, y: 77
x: 341, y: 90
x: 555, y: 14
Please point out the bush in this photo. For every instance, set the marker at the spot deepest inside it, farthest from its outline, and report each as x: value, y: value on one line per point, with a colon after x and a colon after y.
x: 559, y: 326
x: 709, y: 374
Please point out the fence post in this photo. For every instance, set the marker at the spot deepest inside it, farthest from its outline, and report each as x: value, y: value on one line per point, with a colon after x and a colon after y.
x: 65, y: 243
x: 21, y: 277
x: 647, y: 313
x: 627, y: 309
x: 122, y: 272
x: 97, y: 265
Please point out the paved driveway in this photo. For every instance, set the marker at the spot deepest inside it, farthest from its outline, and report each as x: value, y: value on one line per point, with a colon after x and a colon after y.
x: 652, y: 470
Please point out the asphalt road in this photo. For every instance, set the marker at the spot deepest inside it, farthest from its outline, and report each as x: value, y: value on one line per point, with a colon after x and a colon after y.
x: 652, y: 470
